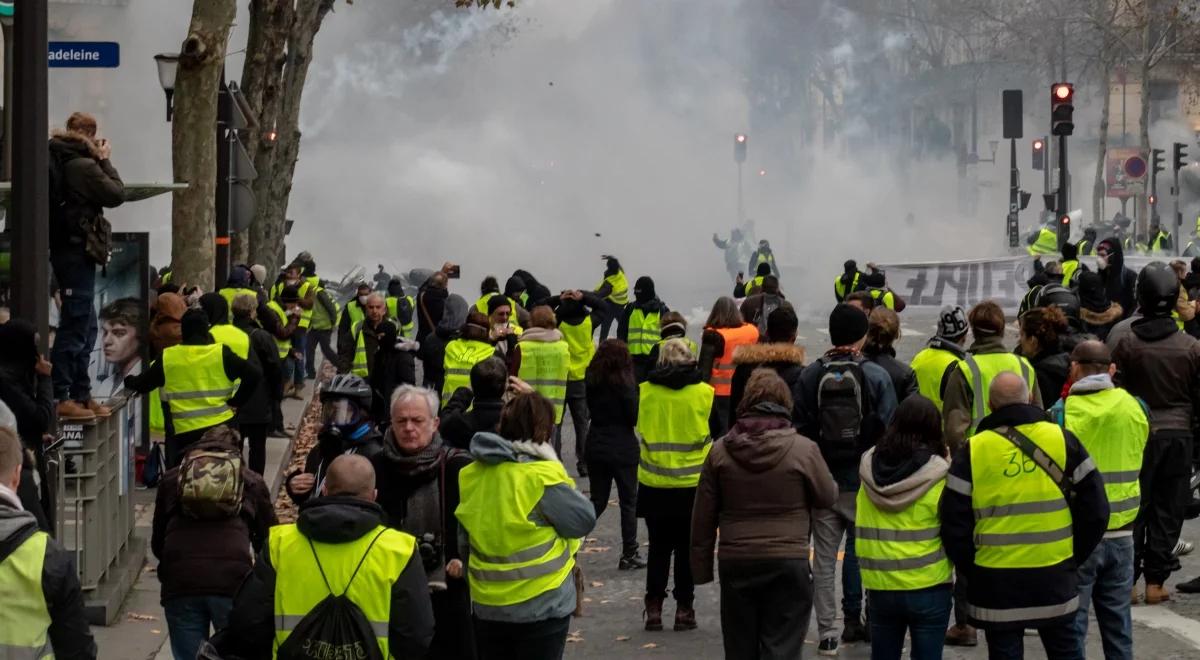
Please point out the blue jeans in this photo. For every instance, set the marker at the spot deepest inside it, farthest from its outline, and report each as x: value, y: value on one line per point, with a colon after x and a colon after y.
x: 299, y: 341
x: 1106, y: 579
x: 1058, y: 639
x: 76, y: 336
x: 852, y: 589
x: 924, y: 612
x: 189, y: 619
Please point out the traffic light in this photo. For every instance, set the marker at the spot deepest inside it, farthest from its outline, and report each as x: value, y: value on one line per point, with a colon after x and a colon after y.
x: 1153, y: 200
x: 1062, y: 109
x: 1025, y: 197
x: 1064, y: 229
x: 1039, y: 154
x: 739, y: 147
x: 1156, y: 157
x: 1180, y: 156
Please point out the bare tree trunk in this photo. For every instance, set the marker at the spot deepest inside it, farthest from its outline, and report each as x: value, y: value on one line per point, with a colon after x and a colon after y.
x: 194, y: 141
x: 1143, y: 207
x: 1101, y: 186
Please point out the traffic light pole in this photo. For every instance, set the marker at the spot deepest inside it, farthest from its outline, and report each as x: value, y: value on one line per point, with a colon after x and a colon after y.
x: 1177, y: 232
x: 741, y: 210
x: 1014, y: 193
x: 1064, y: 199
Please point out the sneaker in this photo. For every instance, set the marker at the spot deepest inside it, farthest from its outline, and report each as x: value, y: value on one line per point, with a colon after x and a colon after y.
x: 855, y: 631
x: 631, y: 562
x: 962, y: 635
x: 74, y: 410
x: 296, y: 393
x: 828, y: 647
x: 279, y: 433
x: 1192, y: 586
x: 101, y: 410
x: 1183, y: 548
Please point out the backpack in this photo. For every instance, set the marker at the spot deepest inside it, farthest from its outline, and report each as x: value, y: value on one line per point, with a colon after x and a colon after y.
x: 155, y: 465
x: 842, y: 406
x: 211, y: 484
x: 96, y: 232
x: 335, y: 627
x: 770, y: 303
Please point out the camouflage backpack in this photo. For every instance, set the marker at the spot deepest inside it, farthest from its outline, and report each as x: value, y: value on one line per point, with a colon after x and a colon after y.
x: 210, y: 484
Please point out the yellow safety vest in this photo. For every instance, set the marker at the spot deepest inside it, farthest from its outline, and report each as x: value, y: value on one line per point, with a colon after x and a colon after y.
x: 321, y: 320
x: 233, y: 337
x: 1069, y: 268
x: 196, y: 389
x: 883, y: 297
x: 283, y: 345
x: 1047, y: 243
x: 1022, y: 519
x: 461, y: 355
x: 901, y: 550
x: 673, y: 425
x: 839, y: 288
x: 303, y: 287
x: 482, y: 306
x: 1111, y: 424
x: 980, y: 370
x: 930, y: 366
x: 513, y: 559
x: 355, y: 311
x: 25, y: 619
x: 231, y: 293
x: 546, y: 365
x: 690, y: 344
x: 1084, y: 247
x: 620, y: 288
x: 158, y: 422
x: 383, y: 553
x: 393, y: 306
x: 579, y: 341
x: 754, y: 285
x: 359, y: 366
x: 644, y: 331
x: 1156, y: 244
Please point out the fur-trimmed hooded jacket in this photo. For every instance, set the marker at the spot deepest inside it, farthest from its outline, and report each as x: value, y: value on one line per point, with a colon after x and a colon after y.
x: 90, y: 185
x: 786, y: 359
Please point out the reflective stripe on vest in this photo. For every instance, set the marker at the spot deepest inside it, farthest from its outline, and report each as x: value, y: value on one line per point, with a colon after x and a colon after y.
x: 1111, y: 424
x: 545, y: 365
x: 358, y: 365
x: 300, y: 587
x: 579, y: 341
x: 644, y: 331
x: 723, y: 367
x: 1069, y: 268
x: 1021, y: 517
x: 980, y: 370
x: 1047, y: 243
x: 991, y: 615
x: 283, y: 345
x: 1157, y: 244
x: 620, y: 288
x: 901, y: 550
x: 930, y: 366
x: 26, y: 618
x: 675, y: 440
x: 513, y: 559
x: 196, y: 387
x: 839, y: 288
x: 461, y: 355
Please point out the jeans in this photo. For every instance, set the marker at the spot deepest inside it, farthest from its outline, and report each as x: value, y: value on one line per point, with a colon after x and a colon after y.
x: 1059, y: 640
x: 255, y: 436
x: 539, y: 640
x: 828, y: 528
x: 1164, y: 480
x: 317, y: 338
x: 453, y: 636
x: 602, y: 476
x: 576, y: 402
x: 669, y: 535
x: 609, y: 313
x: 923, y: 613
x: 189, y: 620
x: 766, y: 605
x: 299, y: 340
x: 1106, y: 579
x: 76, y: 336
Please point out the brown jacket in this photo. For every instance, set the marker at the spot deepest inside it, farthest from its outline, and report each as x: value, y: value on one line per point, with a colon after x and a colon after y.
x: 759, y: 485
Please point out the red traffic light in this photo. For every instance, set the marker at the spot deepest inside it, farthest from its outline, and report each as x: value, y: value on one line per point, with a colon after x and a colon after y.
x: 1063, y: 91
x: 1066, y: 220
x: 1038, y: 145
x: 740, y: 138
x: 1153, y: 200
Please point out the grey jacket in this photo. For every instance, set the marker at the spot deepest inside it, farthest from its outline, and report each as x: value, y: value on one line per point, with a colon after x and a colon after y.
x: 561, y: 507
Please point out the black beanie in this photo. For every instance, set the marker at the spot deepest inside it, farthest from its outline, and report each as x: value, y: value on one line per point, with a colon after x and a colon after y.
x: 847, y: 325
x: 1070, y: 251
x: 194, y: 327
x: 763, y: 270
x: 496, y: 302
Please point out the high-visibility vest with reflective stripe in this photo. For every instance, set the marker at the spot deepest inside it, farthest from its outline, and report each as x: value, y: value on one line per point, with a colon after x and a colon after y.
x: 1160, y: 238
x: 1022, y: 519
x: 840, y: 291
x: 359, y: 366
x: 690, y: 344
x: 158, y: 422
x: 673, y: 425
x: 24, y: 618
x: 1069, y: 268
x: 1085, y: 247
x: 461, y: 355
x: 883, y: 297
x: 901, y: 550
x: 723, y: 367
x: 235, y: 338
x: 980, y: 370
x: 644, y: 331
x: 620, y: 288
x: 303, y: 287
x: 545, y: 365
x: 299, y: 586
x: 513, y: 559
x: 196, y: 387
x: 283, y: 345
x: 1047, y: 243
x: 393, y: 306
x: 1111, y: 424
x: 930, y: 366
x: 764, y: 258
x: 579, y: 341
x: 231, y: 293
x: 355, y: 311
x: 754, y: 285
x: 321, y: 319
x: 482, y: 306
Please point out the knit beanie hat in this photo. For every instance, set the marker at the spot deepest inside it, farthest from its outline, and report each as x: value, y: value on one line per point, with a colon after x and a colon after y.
x: 952, y: 322
x: 847, y: 325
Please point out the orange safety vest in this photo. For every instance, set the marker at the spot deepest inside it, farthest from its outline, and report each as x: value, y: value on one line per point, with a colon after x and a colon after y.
x: 723, y: 368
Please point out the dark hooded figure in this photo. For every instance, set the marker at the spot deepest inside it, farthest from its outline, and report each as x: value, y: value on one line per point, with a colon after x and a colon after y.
x: 393, y: 367
x: 26, y: 389
x: 514, y: 290
x: 536, y: 293
x: 645, y: 300
x: 606, y: 290
x: 1098, y: 313
x: 433, y: 346
x: 1120, y: 282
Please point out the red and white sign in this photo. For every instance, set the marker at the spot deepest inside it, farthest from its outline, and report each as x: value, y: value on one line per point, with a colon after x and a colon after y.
x: 1125, y: 172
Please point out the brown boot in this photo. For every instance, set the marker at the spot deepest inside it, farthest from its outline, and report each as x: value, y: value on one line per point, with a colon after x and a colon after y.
x: 73, y: 410
x: 1156, y: 593
x: 653, y: 613
x: 962, y: 635
x: 98, y: 408
x: 1135, y: 597
x: 685, y: 617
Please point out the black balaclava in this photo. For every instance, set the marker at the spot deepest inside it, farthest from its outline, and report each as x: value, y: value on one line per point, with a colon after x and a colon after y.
x: 643, y: 290
x: 395, y: 288
x: 763, y: 269
x: 514, y: 287
x: 215, y: 308
x: 611, y: 267
x: 194, y: 328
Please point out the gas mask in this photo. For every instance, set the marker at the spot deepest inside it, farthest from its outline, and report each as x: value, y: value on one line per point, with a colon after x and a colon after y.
x: 345, y: 417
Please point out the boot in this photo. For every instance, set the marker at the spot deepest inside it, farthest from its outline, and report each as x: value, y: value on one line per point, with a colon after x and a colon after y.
x: 962, y: 635
x: 297, y: 393
x: 1192, y: 586
x: 1156, y: 593
x: 97, y: 408
x: 630, y: 562
x: 685, y: 616
x: 653, y: 612
x: 1135, y: 597
x: 74, y: 410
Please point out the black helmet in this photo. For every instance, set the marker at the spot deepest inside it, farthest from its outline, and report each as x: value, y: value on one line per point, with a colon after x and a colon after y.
x: 1056, y: 295
x: 348, y: 386
x: 1157, y: 289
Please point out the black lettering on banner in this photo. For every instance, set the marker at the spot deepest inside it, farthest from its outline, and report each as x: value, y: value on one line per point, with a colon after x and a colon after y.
x: 915, y: 287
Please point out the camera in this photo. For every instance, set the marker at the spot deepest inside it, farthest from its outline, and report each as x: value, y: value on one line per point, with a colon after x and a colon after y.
x: 431, y: 557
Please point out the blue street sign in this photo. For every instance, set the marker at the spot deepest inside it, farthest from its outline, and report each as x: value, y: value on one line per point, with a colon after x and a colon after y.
x: 85, y: 54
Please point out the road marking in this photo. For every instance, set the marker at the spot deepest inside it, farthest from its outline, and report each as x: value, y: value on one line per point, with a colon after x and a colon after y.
x: 1161, y: 618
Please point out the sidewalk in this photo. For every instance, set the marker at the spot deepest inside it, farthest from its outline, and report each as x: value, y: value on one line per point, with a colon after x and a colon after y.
x: 140, y: 632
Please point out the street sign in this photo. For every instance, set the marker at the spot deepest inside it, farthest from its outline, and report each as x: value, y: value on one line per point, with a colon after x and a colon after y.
x: 1125, y: 172
x: 85, y: 54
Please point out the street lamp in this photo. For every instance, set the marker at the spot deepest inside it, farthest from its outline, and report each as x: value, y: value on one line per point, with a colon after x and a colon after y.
x: 168, y: 65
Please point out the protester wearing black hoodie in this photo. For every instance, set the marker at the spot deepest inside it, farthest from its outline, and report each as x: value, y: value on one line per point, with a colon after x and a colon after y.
x: 25, y: 387
x: 431, y: 300
x: 257, y: 413
x: 433, y: 345
x: 394, y: 365
x: 646, y: 300
x: 536, y: 293
x: 475, y: 410
x: 1096, y: 311
x: 1120, y: 282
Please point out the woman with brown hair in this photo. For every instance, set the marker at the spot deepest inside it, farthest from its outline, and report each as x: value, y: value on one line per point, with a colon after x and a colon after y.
x: 724, y: 331
x: 521, y: 521
x: 882, y: 332
x: 1041, y: 329
x: 612, y: 446
x: 758, y: 485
